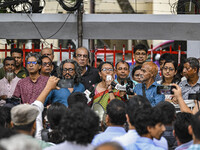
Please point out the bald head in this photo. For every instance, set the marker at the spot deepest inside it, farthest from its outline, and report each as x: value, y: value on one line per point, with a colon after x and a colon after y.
x: 153, y: 68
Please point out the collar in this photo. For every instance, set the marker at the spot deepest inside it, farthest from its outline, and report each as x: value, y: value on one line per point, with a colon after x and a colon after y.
x: 186, y: 83
x: 185, y: 145
x: 115, y: 129
x: 145, y: 140
x: 154, y: 84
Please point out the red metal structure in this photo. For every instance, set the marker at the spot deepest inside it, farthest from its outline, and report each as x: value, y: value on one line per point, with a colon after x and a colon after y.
x: 97, y: 52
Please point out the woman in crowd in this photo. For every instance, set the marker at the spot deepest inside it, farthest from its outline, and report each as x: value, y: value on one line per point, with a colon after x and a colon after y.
x: 136, y: 74
x: 169, y: 72
x: 103, y: 91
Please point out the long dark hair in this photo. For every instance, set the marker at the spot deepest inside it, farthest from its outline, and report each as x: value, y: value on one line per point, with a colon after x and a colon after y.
x: 175, y: 78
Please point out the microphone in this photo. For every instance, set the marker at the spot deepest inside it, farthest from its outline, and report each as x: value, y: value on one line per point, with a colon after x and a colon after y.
x: 89, y: 93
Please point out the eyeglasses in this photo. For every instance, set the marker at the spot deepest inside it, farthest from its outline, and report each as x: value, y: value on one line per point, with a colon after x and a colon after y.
x: 68, y: 69
x: 46, y: 63
x: 166, y: 68
x: 80, y: 55
x: 31, y: 62
x: 120, y: 68
x: 107, y: 69
x: 143, y: 54
x: 137, y: 75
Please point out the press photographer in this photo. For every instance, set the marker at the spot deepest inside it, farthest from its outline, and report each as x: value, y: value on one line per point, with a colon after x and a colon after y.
x: 69, y: 72
x: 124, y: 84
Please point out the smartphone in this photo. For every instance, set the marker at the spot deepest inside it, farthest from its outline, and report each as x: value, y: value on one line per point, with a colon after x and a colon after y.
x: 165, y: 89
x: 108, y: 78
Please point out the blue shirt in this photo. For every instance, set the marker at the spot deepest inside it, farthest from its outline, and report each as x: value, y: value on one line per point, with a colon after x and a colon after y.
x: 143, y: 143
x: 151, y: 93
x: 194, y: 147
x: 62, y: 94
x: 184, y: 146
x: 108, y: 135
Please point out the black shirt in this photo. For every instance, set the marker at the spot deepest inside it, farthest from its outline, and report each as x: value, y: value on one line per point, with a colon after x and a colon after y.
x: 90, y: 77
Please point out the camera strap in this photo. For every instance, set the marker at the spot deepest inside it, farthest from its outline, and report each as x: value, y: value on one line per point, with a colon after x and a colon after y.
x: 143, y: 90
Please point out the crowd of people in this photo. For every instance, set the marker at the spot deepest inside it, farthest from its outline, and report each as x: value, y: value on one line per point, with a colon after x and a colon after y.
x: 110, y: 107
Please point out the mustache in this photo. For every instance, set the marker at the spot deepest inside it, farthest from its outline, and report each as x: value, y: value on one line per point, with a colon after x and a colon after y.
x: 68, y: 75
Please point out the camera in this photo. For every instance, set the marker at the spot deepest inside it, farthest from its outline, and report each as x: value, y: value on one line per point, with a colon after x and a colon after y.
x: 66, y: 83
x: 194, y: 96
x: 165, y: 89
x: 128, y: 88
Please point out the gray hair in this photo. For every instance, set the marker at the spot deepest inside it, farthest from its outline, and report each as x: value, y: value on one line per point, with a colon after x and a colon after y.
x: 33, y: 55
x: 78, y: 70
x: 194, y: 63
x: 47, y: 48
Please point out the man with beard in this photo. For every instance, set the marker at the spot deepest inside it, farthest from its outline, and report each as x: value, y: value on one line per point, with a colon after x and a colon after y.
x: 20, y: 71
x: 70, y: 74
x: 89, y: 75
x: 9, y: 82
x: 148, y: 87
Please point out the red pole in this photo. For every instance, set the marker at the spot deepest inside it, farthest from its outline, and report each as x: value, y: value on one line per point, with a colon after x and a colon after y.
x: 179, y: 54
x: 42, y: 46
x: 33, y: 48
x: 5, y: 50
x: 114, y: 54
x: 51, y: 46
x: 170, y: 49
x: 60, y: 53
x: 24, y: 54
x: 69, y: 51
x: 123, y: 57
x: 104, y: 53
x: 151, y: 52
x: 132, y: 54
x: 95, y: 56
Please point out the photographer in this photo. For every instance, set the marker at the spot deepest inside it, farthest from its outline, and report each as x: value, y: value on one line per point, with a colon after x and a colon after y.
x: 69, y: 72
x: 181, y: 102
x: 122, y: 72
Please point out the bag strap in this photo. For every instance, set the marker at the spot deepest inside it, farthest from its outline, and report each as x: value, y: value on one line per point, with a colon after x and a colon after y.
x: 143, y: 90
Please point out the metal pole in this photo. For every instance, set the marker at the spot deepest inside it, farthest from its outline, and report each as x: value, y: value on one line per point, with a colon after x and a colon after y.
x: 80, y: 25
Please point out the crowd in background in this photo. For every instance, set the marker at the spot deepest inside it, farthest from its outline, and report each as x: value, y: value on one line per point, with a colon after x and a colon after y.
x: 113, y: 106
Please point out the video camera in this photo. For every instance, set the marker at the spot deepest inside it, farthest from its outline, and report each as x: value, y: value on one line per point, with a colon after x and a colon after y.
x: 165, y: 89
x: 194, y: 96
x: 13, y: 100
x: 128, y: 88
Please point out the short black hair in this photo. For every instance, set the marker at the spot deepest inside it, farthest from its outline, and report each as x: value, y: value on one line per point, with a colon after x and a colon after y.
x: 135, y: 69
x: 133, y: 104
x: 183, y: 120
x: 43, y: 56
x: 116, y: 110
x: 8, y: 58
x: 196, y: 124
x: 168, y: 110
x: 76, y: 97
x: 5, y: 117
x: 194, y: 63
x: 27, y: 127
x: 79, y: 124
x: 16, y: 50
x: 103, y: 63
x: 55, y: 114
x: 98, y: 60
x: 140, y: 47
x: 165, y: 56
x: 121, y: 61
x: 147, y: 117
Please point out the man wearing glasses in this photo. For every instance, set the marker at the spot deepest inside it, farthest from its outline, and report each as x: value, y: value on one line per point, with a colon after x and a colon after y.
x: 50, y: 53
x: 70, y: 74
x: 89, y: 75
x: 46, y: 67
x: 192, y: 84
x: 29, y: 88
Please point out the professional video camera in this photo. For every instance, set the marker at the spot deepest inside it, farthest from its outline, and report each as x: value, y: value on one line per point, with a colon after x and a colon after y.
x: 194, y: 96
x: 128, y: 88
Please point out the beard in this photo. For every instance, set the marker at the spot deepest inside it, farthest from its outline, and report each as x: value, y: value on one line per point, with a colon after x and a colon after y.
x: 9, y: 76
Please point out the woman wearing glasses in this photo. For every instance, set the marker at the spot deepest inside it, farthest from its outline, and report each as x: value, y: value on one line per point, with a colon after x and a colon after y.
x: 103, y: 92
x: 136, y: 74
x: 169, y: 76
